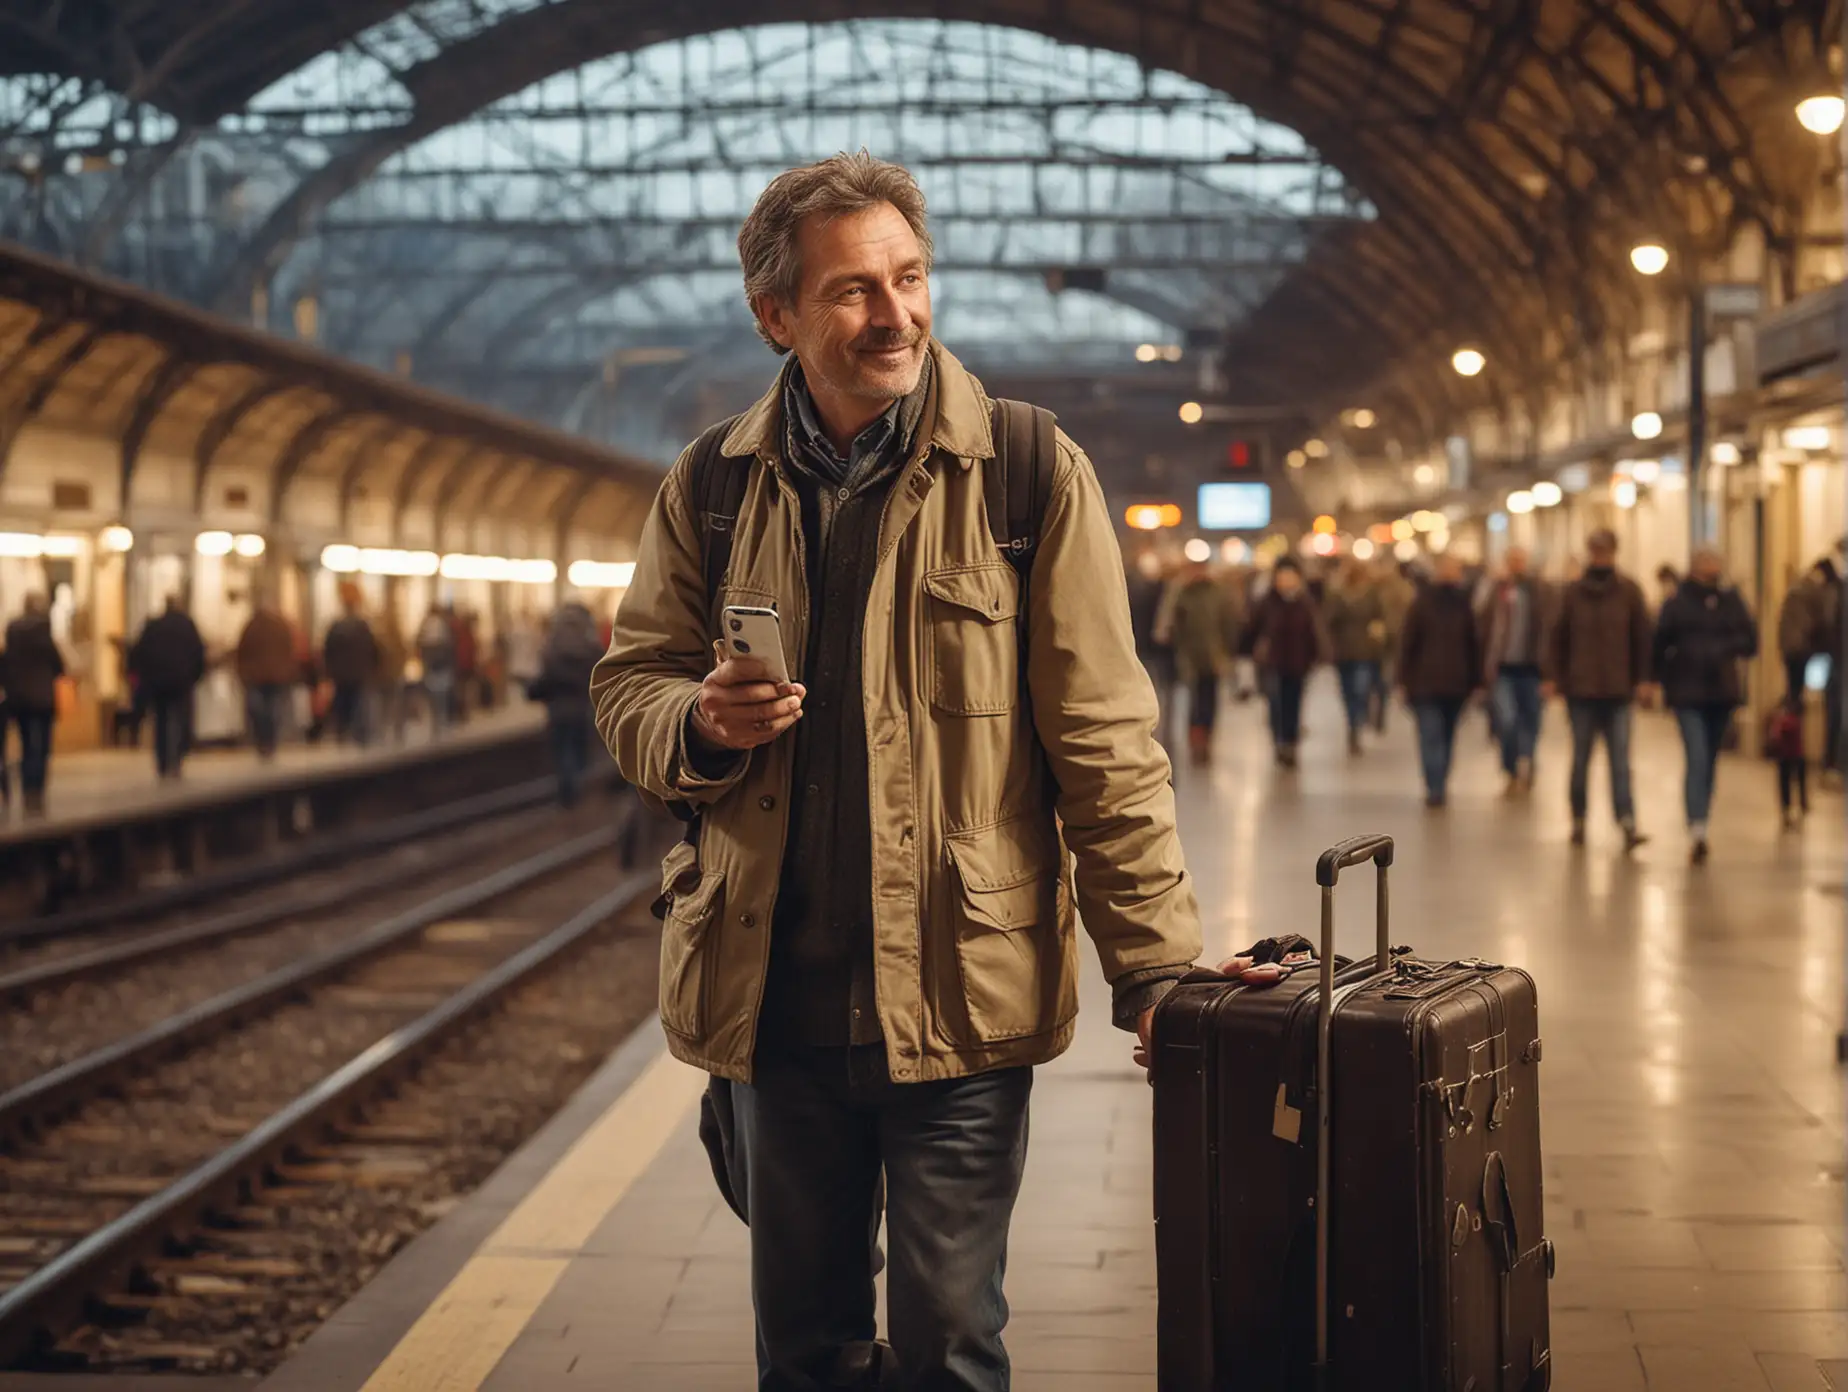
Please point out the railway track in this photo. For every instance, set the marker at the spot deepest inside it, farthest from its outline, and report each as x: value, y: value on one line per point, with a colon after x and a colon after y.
x: 113, y: 1158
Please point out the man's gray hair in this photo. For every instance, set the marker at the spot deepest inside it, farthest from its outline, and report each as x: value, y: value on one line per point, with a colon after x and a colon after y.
x: 829, y: 188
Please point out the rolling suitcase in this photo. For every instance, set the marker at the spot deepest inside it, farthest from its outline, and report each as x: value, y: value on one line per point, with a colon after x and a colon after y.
x: 1407, y: 1255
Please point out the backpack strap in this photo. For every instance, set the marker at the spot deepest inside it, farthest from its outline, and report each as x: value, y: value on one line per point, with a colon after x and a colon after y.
x: 715, y: 486
x: 1019, y: 495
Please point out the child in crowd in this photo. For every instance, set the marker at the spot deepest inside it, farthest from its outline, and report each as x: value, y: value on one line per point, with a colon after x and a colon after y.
x: 1784, y: 742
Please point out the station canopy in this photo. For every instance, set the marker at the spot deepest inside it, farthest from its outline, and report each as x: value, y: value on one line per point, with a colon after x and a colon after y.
x: 535, y: 200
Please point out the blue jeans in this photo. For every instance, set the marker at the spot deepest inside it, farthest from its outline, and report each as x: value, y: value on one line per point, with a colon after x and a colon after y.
x: 34, y: 749
x: 264, y: 708
x: 1703, y: 728
x: 1608, y: 719
x: 172, y: 715
x: 1357, y: 679
x: 1517, y: 715
x: 569, y: 732
x: 351, y: 712
x: 440, y: 694
x: 813, y: 1131
x: 1286, y: 708
x: 1437, y: 738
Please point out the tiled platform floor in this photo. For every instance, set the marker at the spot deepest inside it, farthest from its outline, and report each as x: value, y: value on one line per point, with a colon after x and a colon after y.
x: 92, y: 783
x: 1693, y: 1111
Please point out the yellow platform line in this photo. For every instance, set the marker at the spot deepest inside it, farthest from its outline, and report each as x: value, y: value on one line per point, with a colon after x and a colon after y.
x: 460, y: 1339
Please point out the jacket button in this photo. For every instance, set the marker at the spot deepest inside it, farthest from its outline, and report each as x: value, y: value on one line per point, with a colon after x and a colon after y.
x: 746, y: 920
x: 814, y: 789
x: 844, y: 494
x: 766, y: 802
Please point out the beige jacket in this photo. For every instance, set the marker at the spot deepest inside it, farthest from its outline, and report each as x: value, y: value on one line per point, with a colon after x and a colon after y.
x: 975, y: 951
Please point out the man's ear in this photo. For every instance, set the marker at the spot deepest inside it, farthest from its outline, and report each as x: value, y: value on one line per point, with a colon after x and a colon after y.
x: 772, y: 314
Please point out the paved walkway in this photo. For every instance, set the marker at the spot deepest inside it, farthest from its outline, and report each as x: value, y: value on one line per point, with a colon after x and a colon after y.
x: 1693, y: 1112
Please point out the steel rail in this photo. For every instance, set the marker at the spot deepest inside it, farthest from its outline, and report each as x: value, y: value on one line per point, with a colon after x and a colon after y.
x: 81, y: 1078
x: 57, y: 1291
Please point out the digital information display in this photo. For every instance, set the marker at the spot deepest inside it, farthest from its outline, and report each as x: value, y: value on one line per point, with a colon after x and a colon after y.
x: 1234, y: 507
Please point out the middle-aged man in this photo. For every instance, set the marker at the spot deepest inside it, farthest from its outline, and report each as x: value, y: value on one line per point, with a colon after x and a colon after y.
x: 874, y: 937
x: 1600, y: 661
x: 1516, y: 616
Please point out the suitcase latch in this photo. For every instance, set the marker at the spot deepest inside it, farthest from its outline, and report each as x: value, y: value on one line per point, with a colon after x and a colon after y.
x: 1531, y: 1054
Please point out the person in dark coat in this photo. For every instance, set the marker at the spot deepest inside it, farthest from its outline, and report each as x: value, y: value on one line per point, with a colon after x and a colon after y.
x: 168, y: 661
x: 1702, y: 636
x: 572, y: 651
x: 350, y: 656
x: 1440, y: 666
x: 33, y: 667
x: 1356, y: 618
x: 1290, y: 642
x: 1599, y: 660
x: 268, y: 668
x: 1515, y: 617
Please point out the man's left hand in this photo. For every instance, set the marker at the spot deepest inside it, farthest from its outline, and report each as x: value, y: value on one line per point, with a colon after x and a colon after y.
x: 1237, y: 968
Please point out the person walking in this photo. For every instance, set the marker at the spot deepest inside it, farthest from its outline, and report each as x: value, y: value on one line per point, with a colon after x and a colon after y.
x: 34, y: 666
x: 1397, y: 592
x: 268, y: 668
x: 1201, y: 657
x: 394, y: 657
x: 1599, y: 660
x: 350, y: 658
x: 1702, y: 636
x: 1517, y: 614
x: 1784, y: 743
x: 168, y: 661
x: 436, y: 654
x: 570, y: 655
x: 1356, y: 618
x: 901, y: 851
x: 1440, y: 666
x: 1291, y: 640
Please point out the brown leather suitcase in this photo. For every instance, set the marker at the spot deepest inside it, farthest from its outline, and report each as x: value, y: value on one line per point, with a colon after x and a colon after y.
x: 1405, y: 1257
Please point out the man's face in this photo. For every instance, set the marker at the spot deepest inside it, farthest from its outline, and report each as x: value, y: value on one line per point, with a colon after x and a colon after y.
x: 1286, y: 582
x: 1517, y: 562
x: 1706, y: 568
x: 861, y: 320
x: 1448, y: 571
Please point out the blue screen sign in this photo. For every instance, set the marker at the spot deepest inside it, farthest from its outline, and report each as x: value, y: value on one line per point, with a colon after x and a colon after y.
x: 1234, y: 507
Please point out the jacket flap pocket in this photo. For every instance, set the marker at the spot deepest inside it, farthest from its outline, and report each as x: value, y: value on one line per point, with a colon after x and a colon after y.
x: 1009, y: 872
x: 989, y: 591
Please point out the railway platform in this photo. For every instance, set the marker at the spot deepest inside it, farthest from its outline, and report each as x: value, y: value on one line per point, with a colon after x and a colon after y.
x: 1693, y: 1111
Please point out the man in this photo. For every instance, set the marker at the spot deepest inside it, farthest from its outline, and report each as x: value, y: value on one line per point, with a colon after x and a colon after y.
x: 1600, y: 662
x: 350, y: 657
x: 874, y: 937
x: 1356, y: 618
x: 562, y: 682
x: 168, y: 661
x: 1703, y: 635
x: 267, y: 667
x: 1291, y: 642
x: 33, y: 666
x: 436, y: 656
x: 1516, y: 614
x: 1440, y: 665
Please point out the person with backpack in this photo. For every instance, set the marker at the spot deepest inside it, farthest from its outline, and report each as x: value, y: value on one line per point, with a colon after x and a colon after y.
x: 570, y: 655
x: 168, y: 662
x: 955, y: 619
x: 1701, y: 637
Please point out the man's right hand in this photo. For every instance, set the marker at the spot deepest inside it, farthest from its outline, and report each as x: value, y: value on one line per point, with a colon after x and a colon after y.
x: 739, y: 707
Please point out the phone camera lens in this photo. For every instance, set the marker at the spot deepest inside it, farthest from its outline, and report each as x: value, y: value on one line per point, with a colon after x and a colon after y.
x: 742, y: 646
x: 737, y: 626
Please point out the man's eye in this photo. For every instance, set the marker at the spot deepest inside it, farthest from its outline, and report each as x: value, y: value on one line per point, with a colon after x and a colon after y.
x: 914, y: 279
x: 851, y: 291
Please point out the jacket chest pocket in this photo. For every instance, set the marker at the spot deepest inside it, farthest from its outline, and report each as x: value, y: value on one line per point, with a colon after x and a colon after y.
x: 974, y: 639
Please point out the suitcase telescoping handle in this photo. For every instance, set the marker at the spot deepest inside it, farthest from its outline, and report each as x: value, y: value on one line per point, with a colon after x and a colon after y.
x: 1377, y: 849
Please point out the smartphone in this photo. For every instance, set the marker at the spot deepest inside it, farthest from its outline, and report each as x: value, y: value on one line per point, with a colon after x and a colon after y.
x: 751, y: 632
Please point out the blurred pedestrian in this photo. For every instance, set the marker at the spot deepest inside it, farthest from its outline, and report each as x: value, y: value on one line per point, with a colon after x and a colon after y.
x: 436, y: 654
x: 571, y: 652
x: 1516, y: 616
x: 1147, y: 588
x: 394, y: 658
x: 467, y: 660
x: 1201, y: 656
x: 1599, y: 659
x: 1668, y: 584
x: 1809, y: 625
x: 1702, y: 636
x: 168, y: 661
x: 1356, y: 618
x: 1784, y: 743
x: 1440, y: 666
x: 526, y: 644
x: 350, y: 657
x: 268, y: 669
x: 1290, y: 642
x: 34, y: 666
x: 1396, y: 595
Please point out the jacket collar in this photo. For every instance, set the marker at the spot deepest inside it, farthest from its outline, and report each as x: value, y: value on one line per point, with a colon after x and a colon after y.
x: 955, y: 412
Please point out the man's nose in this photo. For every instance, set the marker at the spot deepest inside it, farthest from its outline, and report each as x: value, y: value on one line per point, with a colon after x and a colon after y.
x: 889, y: 311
